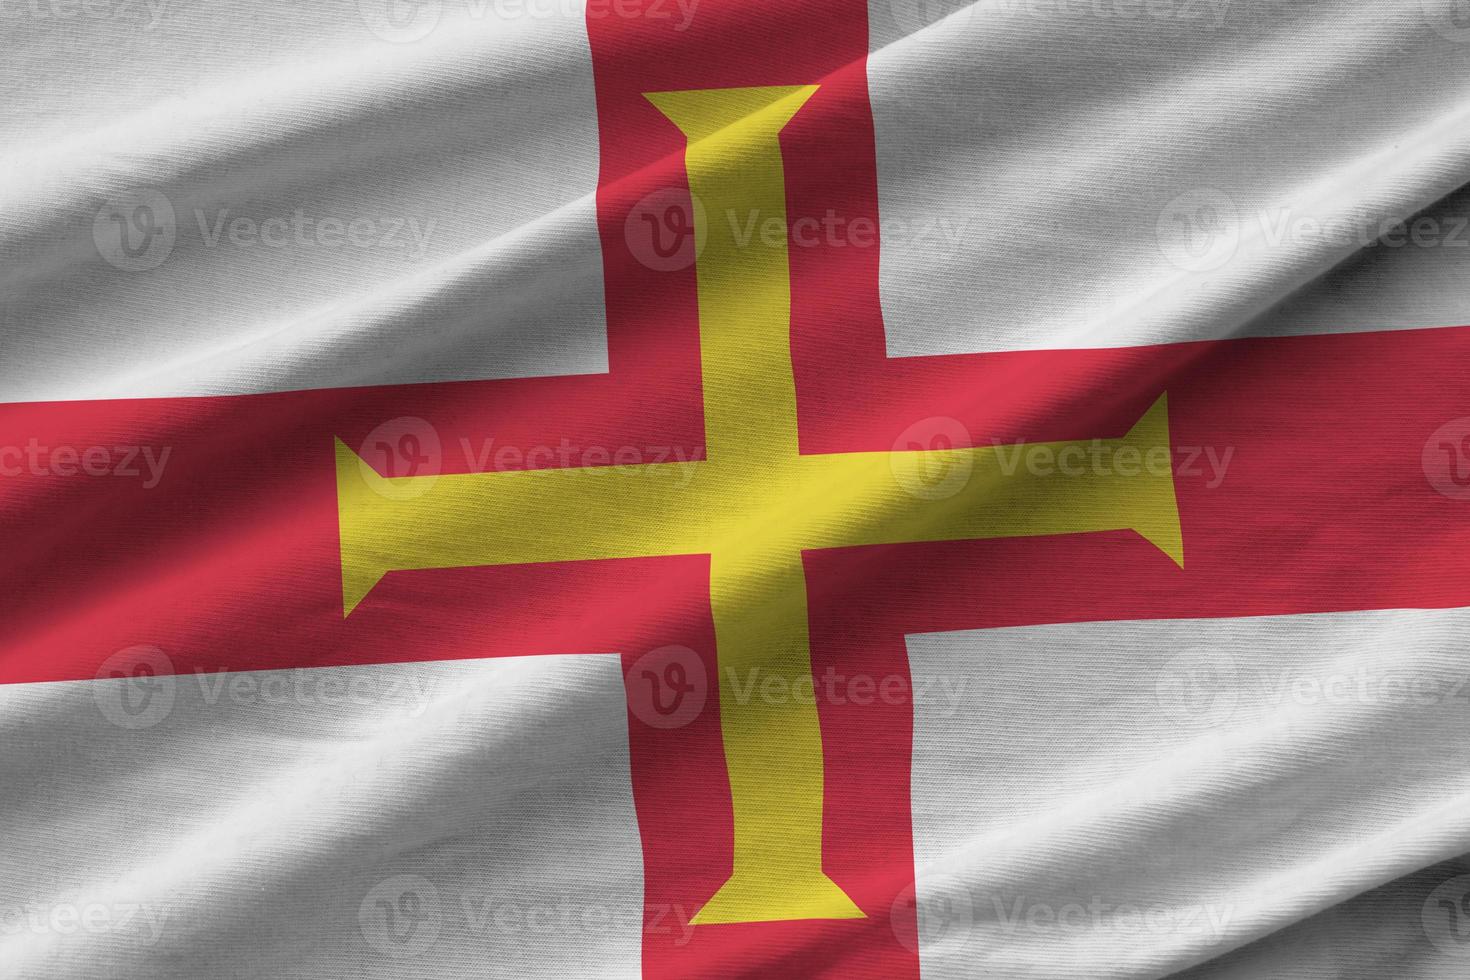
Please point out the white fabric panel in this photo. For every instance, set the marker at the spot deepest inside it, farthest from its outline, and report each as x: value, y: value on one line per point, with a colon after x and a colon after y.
x: 1128, y: 799
x: 1101, y: 173
x: 265, y: 824
x: 1411, y: 929
x: 315, y: 195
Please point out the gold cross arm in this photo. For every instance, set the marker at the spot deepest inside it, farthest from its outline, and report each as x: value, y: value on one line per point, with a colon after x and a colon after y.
x: 754, y: 504
x: 726, y: 507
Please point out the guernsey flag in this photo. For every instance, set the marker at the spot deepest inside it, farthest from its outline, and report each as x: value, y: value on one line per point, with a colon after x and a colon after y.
x: 853, y: 489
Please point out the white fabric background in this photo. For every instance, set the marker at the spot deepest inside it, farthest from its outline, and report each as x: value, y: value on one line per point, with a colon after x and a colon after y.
x: 247, y: 824
x: 1127, y: 799
x: 483, y: 134
x: 1037, y: 158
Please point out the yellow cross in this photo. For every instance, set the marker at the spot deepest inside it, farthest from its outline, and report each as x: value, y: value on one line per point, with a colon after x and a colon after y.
x: 753, y: 504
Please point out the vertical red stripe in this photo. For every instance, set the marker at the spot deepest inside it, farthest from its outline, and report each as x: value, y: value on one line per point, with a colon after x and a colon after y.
x: 831, y: 179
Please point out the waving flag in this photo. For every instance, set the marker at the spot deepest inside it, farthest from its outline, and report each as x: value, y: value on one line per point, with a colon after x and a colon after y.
x: 697, y: 488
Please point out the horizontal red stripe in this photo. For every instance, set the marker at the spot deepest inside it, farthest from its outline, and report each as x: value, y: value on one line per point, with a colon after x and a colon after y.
x: 231, y: 563
x: 232, y: 559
